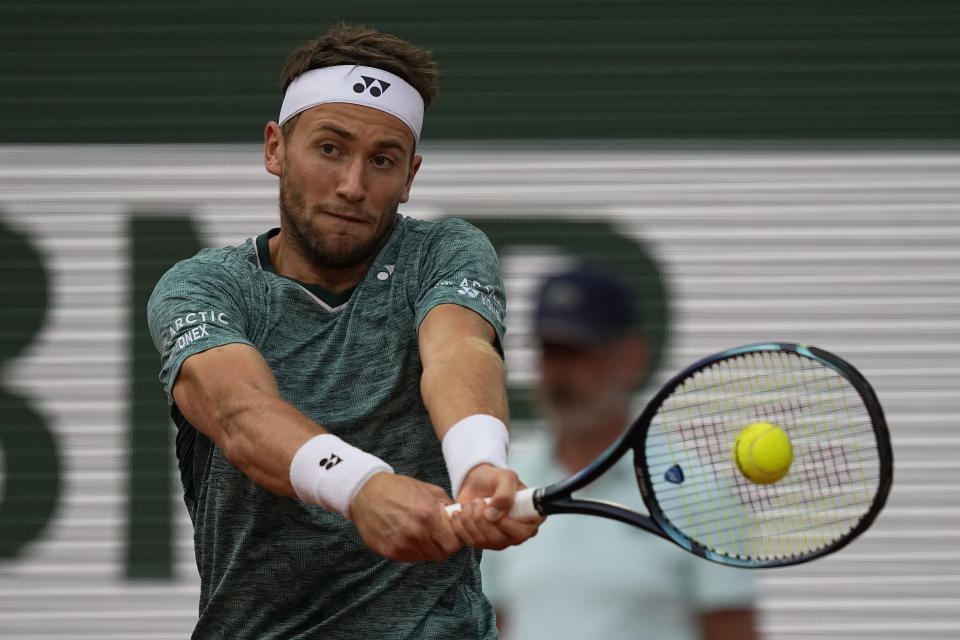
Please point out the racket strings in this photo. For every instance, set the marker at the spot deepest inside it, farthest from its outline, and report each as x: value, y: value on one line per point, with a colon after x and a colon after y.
x: 768, y: 536
x: 722, y: 412
x: 802, y: 496
x: 830, y: 485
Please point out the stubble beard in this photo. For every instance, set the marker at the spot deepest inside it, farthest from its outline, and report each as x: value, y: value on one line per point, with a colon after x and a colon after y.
x: 326, y: 251
x: 574, y: 414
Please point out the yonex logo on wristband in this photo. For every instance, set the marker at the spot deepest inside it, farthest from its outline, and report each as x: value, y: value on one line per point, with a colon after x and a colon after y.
x: 330, y: 461
x: 334, y: 491
x: 376, y: 92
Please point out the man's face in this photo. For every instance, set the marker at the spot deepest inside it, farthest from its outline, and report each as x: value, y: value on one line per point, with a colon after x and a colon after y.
x: 343, y: 171
x: 581, y: 386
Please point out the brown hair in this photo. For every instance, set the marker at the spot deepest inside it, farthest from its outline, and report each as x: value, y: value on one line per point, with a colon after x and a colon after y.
x: 361, y: 46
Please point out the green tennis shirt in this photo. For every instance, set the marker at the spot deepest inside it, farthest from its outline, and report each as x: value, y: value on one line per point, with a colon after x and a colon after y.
x: 276, y: 567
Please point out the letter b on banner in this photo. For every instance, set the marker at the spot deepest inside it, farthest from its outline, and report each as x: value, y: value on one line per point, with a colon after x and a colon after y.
x: 31, y: 462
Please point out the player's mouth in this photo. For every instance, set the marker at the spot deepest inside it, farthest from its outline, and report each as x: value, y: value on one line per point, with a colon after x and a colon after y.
x: 349, y: 217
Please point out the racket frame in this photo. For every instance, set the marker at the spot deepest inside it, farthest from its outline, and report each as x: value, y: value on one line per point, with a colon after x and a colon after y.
x: 557, y: 498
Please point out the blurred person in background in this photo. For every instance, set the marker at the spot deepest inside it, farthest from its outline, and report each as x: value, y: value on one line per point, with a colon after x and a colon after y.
x: 587, y: 577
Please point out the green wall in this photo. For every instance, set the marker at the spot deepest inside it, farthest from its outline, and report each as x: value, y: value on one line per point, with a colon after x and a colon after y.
x: 87, y: 71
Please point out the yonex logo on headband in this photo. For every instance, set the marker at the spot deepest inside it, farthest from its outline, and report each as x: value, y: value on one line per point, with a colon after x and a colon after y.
x: 376, y: 92
x: 354, y: 84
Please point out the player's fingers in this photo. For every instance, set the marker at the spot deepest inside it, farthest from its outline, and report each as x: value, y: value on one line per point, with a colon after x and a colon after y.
x: 464, y: 523
x: 430, y: 548
x: 503, y: 495
x: 456, y: 521
x: 516, y: 531
x: 424, y: 535
x: 427, y: 549
x: 436, y: 539
x: 468, y: 523
x: 445, y: 534
x: 486, y: 534
x: 408, y: 548
x: 509, y: 532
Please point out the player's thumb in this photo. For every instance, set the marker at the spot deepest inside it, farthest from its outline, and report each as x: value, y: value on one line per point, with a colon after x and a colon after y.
x: 503, y: 495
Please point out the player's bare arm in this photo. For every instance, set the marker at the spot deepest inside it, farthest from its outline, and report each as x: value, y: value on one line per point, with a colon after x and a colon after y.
x: 462, y: 372
x: 260, y: 433
x: 463, y: 376
x: 229, y: 394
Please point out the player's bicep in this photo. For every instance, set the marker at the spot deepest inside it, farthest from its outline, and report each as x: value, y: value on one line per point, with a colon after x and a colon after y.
x: 446, y: 326
x: 215, y: 384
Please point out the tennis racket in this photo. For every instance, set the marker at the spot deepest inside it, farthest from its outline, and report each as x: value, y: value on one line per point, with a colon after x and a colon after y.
x: 683, y: 452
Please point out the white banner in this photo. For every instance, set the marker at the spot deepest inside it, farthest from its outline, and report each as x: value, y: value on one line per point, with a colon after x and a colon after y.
x: 857, y: 252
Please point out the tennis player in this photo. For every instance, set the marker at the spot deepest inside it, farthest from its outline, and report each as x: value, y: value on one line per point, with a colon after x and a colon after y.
x: 621, y: 583
x: 337, y: 380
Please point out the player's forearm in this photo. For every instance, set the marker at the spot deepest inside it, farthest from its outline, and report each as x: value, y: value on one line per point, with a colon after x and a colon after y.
x: 284, y: 451
x: 259, y: 432
x: 467, y: 378
x: 266, y: 435
x: 463, y: 388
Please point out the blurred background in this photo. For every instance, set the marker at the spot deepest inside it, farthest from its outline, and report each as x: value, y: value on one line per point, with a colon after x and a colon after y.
x: 772, y: 170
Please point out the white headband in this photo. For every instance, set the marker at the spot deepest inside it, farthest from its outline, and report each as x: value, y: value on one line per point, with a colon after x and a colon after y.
x: 355, y: 85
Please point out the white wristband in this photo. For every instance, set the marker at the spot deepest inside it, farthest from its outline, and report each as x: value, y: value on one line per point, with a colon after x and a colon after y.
x: 329, y: 472
x: 474, y: 440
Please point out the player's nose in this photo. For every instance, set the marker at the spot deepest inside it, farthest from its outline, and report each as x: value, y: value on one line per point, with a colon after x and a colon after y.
x: 350, y: 182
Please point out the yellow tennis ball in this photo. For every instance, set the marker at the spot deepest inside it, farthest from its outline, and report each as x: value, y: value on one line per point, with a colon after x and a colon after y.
x: 763, y: 452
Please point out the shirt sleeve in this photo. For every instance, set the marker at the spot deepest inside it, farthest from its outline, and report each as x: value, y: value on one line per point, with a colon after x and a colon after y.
x: 460, y: 266
x: 195, y: 306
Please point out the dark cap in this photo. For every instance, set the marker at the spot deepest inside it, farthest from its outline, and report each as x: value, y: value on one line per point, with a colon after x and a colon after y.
x: 584, y: 305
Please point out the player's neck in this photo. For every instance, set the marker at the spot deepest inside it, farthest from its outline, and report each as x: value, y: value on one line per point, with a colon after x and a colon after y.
x: 289, y: 262
x: 574, y: 451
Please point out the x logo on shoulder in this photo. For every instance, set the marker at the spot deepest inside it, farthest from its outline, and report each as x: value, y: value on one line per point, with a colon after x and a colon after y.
x: 375, y: 91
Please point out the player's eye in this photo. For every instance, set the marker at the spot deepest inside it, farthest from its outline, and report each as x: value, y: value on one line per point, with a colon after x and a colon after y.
x: 328, y: 148
x: 382, y: 161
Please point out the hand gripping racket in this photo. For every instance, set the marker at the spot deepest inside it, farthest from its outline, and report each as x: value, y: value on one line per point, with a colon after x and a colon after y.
x: 697, y: 497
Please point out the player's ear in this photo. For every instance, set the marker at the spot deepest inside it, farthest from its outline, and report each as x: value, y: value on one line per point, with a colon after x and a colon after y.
x: 414, y: 167
x: 273, y: 149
